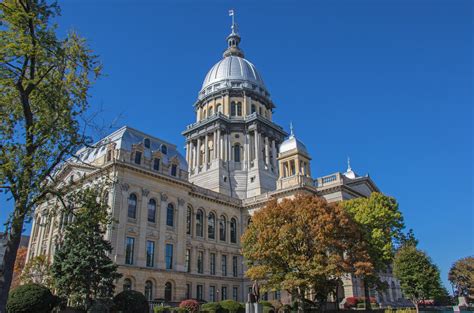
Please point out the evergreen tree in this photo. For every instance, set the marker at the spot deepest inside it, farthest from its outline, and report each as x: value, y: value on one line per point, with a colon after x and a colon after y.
x: 82, y: 269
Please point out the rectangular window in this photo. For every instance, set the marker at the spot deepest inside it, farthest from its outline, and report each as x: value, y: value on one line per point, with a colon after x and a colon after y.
x: 234, y: 266
x: 169, y: 256
x: 200, y: 262
x: 130, y: 247
x: 212, y: 293
x: 199, y: 292
x: 109, y: 155
x: 187, y: 264
x: 212, y: 264
x: 174, y: 170
x: 235, y: 293
x: 150, y: 253
x: 138, y: 157
x: 156, y: 164
x: 224, y: 265
x: 224, y: 293
x: 277, y: 295
x: 188, y: 291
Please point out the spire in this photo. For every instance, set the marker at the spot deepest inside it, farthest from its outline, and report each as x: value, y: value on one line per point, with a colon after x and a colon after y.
x: 233, y: 39
x: 349, y: 164
x: 292, y: 133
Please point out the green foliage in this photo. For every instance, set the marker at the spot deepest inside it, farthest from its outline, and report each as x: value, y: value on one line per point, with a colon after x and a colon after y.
x: 44, y: 84
x: 382, y: 224
x: 131, y: 301
x: 82, y: 269
x: 419, y: 277
x: 37, y: 271
x: 101, y: 306
x: 160, y: 309
x: 31, y: 298
x: 231, y: 306
x: 265, y: 303
x: 461, y: 275
x: 211, y: 307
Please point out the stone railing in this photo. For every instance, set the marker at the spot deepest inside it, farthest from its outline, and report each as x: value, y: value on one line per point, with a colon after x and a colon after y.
x: 329, y: 180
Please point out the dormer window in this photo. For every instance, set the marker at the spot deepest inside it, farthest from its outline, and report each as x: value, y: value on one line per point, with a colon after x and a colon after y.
x: 146, y: 143
x: 109, y: 155
x: 138, y: 157
x: 174, y: 169
x: 156, y: 164
x: 164, y: 149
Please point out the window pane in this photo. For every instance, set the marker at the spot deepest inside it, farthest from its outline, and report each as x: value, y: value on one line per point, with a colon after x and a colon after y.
x: 200, y: 260
x: 130, y: 244
x: 189, y: 221
x: 224, y: 265
x: 213, y: 263
x: 132, y: 206
x: 234, y: 266
x: 138, y: 157
x: 233, y: 230
x: 156, y: 164
x: 170, y: 215
x: 199, y: 223
x: 150, y: 253
x: 222, y: 228
x: 169, y: 256
x: 151, y: 210
x: 211, y: 226
x: 187, y: 264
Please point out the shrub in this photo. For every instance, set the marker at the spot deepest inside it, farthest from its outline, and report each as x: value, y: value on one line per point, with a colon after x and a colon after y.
x: 101, y: 306
x: 211, y: 307
x: 160, y: 309
x: 31, y: 298
x: 190, y: 305
x: 131, y: 301
x: 231, y: 306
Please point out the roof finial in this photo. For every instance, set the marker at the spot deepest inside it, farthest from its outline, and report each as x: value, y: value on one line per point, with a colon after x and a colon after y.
x: 234, y: 26
x: 292, y: 133
x: 349, y: 164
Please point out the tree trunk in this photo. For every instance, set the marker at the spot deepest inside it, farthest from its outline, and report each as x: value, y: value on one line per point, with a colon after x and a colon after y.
x: 416, y: 306
x: 367, y: 295
x: 300, y: 301
x: 11, y: 248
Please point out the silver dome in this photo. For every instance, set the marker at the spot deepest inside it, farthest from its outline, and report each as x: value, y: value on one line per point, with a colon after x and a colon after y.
x: 233, y: 72
x: 292, y: 143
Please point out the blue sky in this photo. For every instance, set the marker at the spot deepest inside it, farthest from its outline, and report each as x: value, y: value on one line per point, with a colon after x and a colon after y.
x: 388, y: 83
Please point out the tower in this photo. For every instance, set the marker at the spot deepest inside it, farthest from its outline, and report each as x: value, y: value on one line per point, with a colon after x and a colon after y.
x: 294, y: 162
x: 232, y: 147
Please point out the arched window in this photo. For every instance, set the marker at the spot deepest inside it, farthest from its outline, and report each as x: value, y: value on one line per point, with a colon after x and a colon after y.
x: 199, y: 223
x: 211, y: 111
x: 132, y: 206
x: 189, y: 215
x: 164, y: 149
x: 237, y: 153
x: 127, y: 284
x: 222, y: 228
x: 170, y: 215
x: 233, y: 230
x: 151, y: 210
x: 146, y: 142
x: 233, y: 109
x: 253, y: 108
x: 168, y: 291
x: 219, y: 108
x: 149, y: 290
x: 239, y: 109
x: 211, y: 226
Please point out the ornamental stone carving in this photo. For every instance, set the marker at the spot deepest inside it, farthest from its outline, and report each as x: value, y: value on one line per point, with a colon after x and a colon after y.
x: 181, y: 202
x: 164, y: 197
x: 125, y: 186
x: 145, y: 192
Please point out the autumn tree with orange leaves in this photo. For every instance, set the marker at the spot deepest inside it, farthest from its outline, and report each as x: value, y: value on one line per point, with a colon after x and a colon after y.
x: 303, y: 244
x: 19, y: 265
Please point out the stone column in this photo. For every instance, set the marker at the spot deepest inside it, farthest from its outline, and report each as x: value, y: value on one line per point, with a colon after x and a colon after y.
x: 187, y: 152
x: 218, y: 144
x: 281, y: 169
x: 160, y: 251
x: 198, y: 153
x: 206, y: 150
x: 256, y: 141
x: 214, y: 145
x: 247, y: 150
x: 142, y: 218
x: 221, y: 146
x: 274, y: 154
x: 267, y: 152
x: 121, y: 226
x: 180, y: 224
x: 226, y: 147
x: 191, y: 155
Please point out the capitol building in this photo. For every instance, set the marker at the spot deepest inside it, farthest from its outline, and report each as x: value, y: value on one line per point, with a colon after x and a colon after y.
x: 179, y: 218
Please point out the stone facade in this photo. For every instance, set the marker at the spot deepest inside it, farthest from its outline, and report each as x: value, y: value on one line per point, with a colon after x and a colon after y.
x: 179, y: 219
